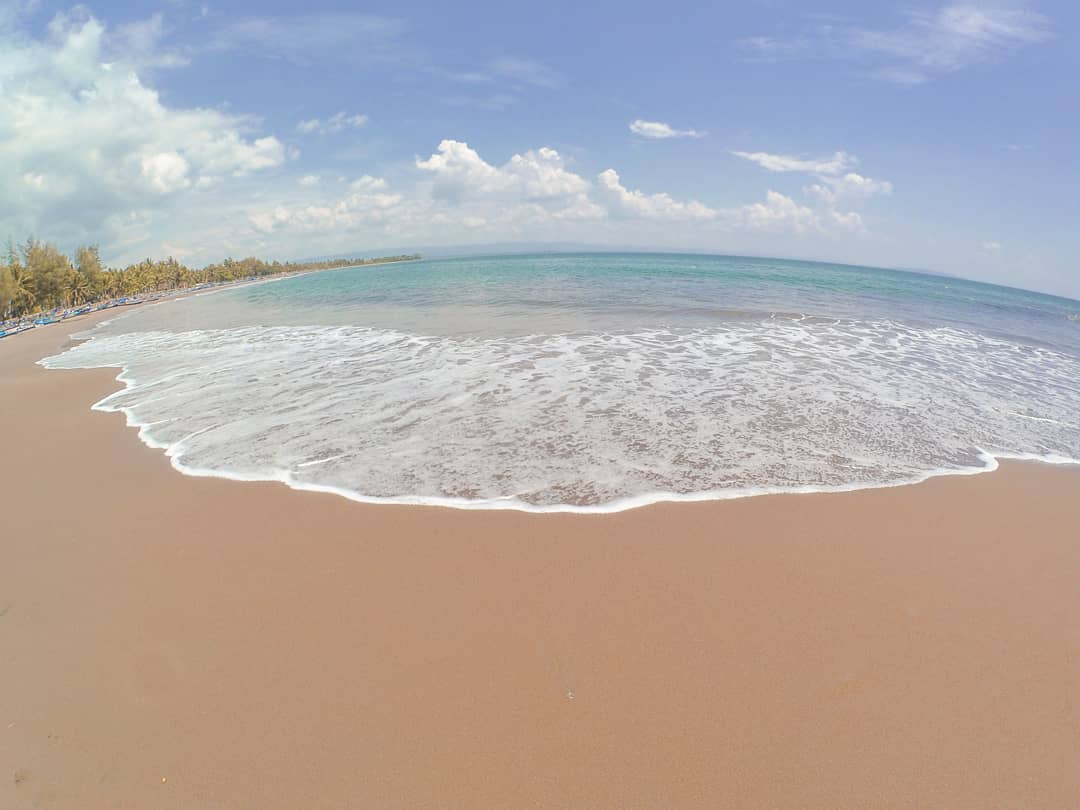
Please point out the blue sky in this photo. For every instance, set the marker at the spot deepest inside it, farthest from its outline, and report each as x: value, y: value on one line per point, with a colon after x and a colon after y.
x: 930, y: 135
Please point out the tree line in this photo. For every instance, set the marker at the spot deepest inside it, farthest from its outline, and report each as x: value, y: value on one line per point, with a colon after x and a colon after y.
x: 37, y: 277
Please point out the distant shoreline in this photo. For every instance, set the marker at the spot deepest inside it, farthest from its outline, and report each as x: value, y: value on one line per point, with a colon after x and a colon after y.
x: 178, y: 293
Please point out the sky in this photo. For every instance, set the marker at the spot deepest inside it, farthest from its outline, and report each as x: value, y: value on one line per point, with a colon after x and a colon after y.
x: 937, y: 136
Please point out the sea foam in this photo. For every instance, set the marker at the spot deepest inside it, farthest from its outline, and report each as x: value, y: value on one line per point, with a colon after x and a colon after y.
x: 590, y: 421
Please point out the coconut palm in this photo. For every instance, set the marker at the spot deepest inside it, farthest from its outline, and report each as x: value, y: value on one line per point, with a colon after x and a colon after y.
x: 23, y: 296
x: 79, y: 288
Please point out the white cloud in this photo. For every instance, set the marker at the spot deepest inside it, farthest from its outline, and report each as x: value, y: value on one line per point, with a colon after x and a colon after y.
x: 166, y: 171
x: 368, y: 183
x: 367, y: 204
x: 332, y: 125
x: 993, y: 248
x: 777, y: 213
x: 459, y: 196
x: 836, y: 186
x: 229, y: 153
x: 103, y: 138
x: 834, y: 164
x: 89, y: 151
x: 633, y: 203
x: 459, y: 171
x: 850, y: 187
x: 954, y: 37
x: 660, y: 130
x: 849, y: 220
x: 780, y: 212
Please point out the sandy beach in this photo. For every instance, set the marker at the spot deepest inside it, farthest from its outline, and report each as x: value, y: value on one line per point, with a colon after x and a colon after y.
x: 178, y: 642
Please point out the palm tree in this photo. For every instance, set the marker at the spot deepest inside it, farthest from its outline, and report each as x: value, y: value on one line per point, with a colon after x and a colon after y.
x: 115, y: 283
x: 79, y: 287
x: 23, y: 295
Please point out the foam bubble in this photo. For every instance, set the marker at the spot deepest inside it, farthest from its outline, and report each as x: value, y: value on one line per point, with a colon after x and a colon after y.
x: 589, y: 421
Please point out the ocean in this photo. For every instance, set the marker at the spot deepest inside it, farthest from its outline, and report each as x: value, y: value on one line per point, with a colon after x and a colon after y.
x: 596, y: 382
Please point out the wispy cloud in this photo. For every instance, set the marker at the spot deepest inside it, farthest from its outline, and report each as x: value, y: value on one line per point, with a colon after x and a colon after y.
x: 305, y: 38
x: 142, y: 42
x: 925, y: 44
x: 462, y: 76
x: 332, y: 125
x: 492, y: 101
x: 658, y: 130
x: 505, y: 70
x: 526, y: 71
x: 498, y: 84
x: 834, y: 164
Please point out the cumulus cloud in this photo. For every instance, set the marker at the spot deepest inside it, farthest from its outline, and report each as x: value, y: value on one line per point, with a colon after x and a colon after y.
x: 332, y: 125
x: 456, y: 194
x: 836, y: 186
x: 368, y: 183
x: 166, y: 171
x: 367, y: 203
x: 780, y: 211
x: 89, y: 151
x: 633, y: 203
x: 101, y: 140
x: 776, y: 213
x: 659, y: 130
x: 850, y: 187
x: 459, y: 171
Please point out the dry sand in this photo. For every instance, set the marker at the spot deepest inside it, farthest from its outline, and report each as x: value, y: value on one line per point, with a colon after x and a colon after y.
x: 168, y: 641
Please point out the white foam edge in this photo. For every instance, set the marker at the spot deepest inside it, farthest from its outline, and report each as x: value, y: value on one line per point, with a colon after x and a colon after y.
x: 174, y: 453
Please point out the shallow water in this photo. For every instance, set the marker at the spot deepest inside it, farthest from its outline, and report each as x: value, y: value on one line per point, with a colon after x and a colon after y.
x: 597, y: 382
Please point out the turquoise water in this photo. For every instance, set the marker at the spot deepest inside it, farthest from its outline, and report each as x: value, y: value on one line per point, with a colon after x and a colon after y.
x: 598, y: 381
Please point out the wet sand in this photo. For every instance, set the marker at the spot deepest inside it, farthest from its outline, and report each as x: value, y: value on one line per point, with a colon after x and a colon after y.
x: 177, y: 642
